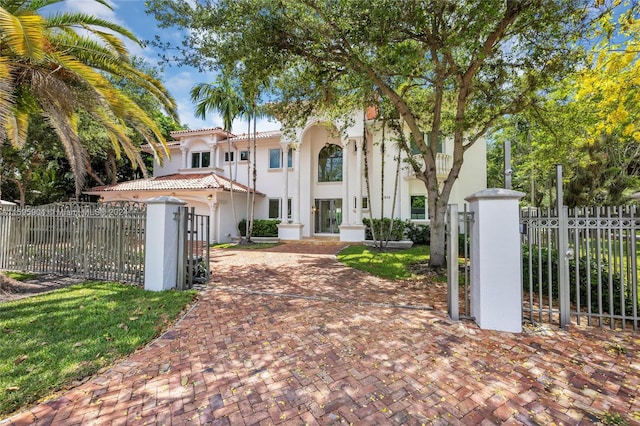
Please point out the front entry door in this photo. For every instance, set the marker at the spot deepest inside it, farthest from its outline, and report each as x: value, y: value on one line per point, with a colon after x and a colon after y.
x: 328, y: 216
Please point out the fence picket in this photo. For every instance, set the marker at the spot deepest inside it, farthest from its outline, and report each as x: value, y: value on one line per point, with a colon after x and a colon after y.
x: 603, y: 273
x: 96, y: 241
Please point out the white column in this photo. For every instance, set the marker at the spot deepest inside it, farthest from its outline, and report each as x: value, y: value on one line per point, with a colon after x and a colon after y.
x: 216, y: 160
x: 161, y: 243
x: 345, y: 182
x: 183, y: 149
x: 284, y: 214
x: 293, y: 230
x: 359, y: 144
x: 213, y: 221
x: 212, y: 154
x: 296, y: 188
x: 496, y: 293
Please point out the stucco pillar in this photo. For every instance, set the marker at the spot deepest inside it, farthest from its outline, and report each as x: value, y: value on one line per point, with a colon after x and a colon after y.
x: 345, y: 182
x: 496, y: 290
x: 293, y: 230
x: 161, y: 243
x: 213, y: 220
x: 212, y: 154
x: 183, y: 150
x: 296, y: 191
x: 215, y: 161
x: 284, y: 213
x: 352, y: 229
x: 360, y: 143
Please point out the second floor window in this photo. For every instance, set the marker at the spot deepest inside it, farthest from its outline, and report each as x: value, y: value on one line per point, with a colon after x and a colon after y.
x: 228, y: 156
x: 275, y: 158
x: 427, y: 137
x: 330, y: 164
x: 200, y: 159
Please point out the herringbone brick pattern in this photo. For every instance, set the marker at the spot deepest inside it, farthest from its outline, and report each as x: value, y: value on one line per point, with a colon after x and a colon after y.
x: 295, y: 338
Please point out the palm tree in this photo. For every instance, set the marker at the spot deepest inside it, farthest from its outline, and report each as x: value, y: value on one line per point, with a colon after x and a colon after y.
x: 222, y: 97
x: 57, y: 66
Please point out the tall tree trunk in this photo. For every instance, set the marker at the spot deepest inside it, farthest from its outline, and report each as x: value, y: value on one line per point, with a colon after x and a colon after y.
x: 248, y: 227
x: 438, y: 235
x: 233, y: 204
x: 22, y: 189
x: 255, y: 171
x: 368, y: 186
x: 395, y: 186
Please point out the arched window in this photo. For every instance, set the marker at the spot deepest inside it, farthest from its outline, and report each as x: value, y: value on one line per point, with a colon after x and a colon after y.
x: 330, y: 164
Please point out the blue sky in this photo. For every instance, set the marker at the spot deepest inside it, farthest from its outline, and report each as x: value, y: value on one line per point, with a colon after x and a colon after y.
x: 178, y: 80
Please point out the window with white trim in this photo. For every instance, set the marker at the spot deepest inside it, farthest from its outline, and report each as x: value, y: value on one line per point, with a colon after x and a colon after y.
x: 275, y: 158
x: 418, y: 207
x: 330, y: 164
x: 274, y: 208
x: 365, y: 202
x: 244, y: 155
x: 200, y: 159
x: 228, y: 157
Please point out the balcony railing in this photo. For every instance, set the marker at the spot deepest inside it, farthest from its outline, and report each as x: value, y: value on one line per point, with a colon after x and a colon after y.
x: 443, y: 165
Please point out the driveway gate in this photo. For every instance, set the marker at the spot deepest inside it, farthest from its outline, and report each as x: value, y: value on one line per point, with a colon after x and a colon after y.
x: 458, y: 227
x: 193, y: 249
x: 102, y: 241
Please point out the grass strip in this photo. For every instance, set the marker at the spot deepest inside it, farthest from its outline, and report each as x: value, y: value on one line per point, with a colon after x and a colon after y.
x: 50, y: 341
x: 391, y: 264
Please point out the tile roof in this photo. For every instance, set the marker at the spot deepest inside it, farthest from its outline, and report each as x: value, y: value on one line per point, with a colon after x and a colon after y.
x: 260, y: 135
x: 175, y: 182
x: 191, y: 131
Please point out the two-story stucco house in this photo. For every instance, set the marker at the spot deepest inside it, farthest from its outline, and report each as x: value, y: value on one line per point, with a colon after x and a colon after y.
x: 311, y: 179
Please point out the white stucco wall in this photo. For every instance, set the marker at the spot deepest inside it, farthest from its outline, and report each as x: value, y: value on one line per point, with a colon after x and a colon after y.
x: 311, y: 140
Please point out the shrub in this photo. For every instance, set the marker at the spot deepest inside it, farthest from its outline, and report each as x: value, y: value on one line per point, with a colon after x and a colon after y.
x: 542, y: 259
x: 261, y: 227
x: 419, y: 234
x: 382, y: 228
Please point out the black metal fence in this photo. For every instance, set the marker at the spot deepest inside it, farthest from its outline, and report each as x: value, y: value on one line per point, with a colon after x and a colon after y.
x: 582, y: 265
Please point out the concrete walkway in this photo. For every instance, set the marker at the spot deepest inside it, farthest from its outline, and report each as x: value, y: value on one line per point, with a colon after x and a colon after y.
x: 292, y: 337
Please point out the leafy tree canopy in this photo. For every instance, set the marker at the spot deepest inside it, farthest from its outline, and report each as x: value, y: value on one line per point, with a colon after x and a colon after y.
x: 588, y: 122
x: 446, y: 67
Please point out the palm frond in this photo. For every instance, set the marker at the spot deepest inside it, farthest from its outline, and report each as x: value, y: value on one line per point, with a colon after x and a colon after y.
x: 6, y: 93
x: 86, y: 22
x: 16, y: 126
x: 219, y: 97
x: 76, y: 154
x: 23, y: 34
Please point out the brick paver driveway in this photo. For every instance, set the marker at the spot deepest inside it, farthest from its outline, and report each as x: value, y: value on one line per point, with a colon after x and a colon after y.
x: 284, y: 337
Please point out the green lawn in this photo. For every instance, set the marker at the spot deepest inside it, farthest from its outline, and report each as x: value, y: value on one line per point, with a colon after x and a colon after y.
x: 49, y: 341
x: 19, y: 276
x: 391, y: 264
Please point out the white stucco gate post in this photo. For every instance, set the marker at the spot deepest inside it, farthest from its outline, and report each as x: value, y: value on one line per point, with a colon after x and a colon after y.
x: 161, y: 243
x: 496, y: 276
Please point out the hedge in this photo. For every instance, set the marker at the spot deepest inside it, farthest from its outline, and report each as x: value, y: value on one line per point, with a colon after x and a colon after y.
x: 261, y: 227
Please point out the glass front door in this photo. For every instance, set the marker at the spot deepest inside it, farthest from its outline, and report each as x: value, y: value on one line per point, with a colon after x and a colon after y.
x: 328, y: 216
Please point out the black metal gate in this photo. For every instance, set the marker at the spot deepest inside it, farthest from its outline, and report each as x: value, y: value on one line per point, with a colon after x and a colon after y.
x: 193, y: 249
